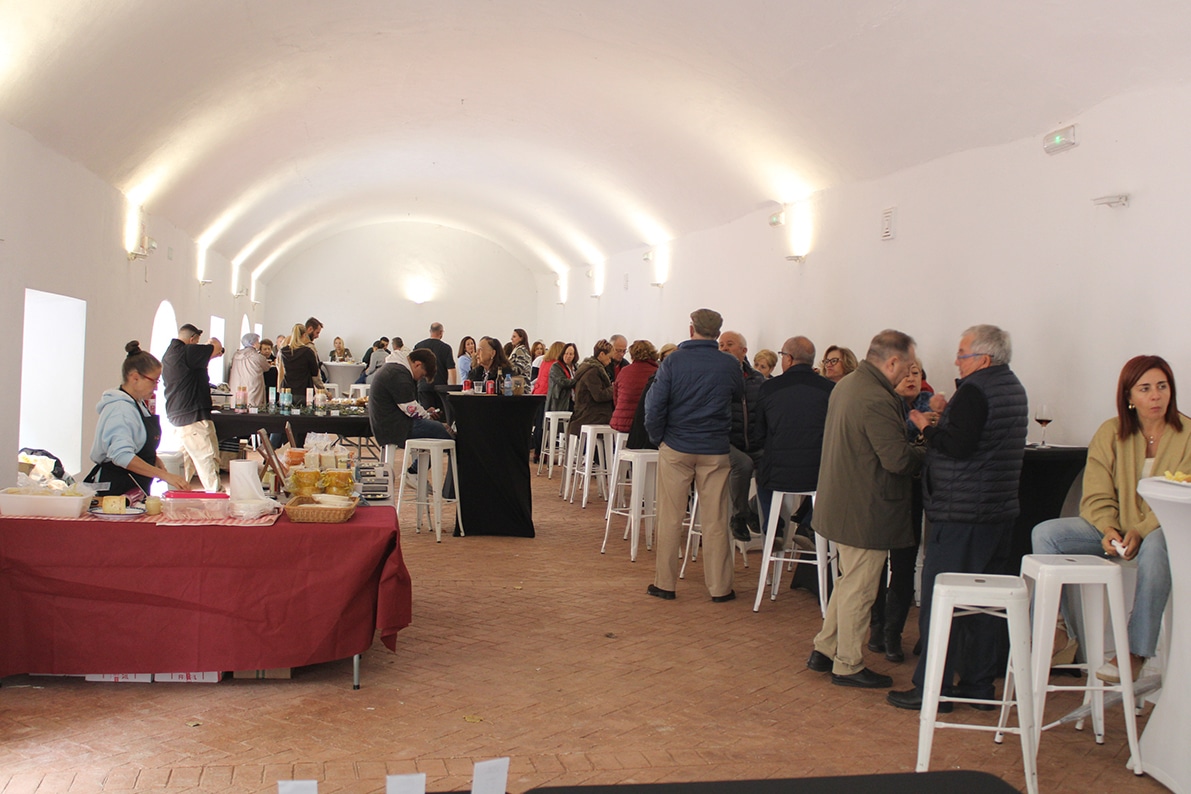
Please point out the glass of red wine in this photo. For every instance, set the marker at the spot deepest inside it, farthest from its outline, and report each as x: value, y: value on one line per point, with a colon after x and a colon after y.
x: 1043, y: 417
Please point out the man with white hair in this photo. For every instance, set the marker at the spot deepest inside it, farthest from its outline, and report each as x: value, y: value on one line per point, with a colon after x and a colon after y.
x: 620, y: 346
x: 973, y: 468
x: 747, y: 438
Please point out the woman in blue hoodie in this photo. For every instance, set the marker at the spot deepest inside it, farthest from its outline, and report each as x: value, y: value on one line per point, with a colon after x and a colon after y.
x: 126, y: 438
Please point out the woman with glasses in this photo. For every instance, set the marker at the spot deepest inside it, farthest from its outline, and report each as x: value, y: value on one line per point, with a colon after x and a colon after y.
x: 126, y: 438
x: 1148, y: 436
x: 837, y: 362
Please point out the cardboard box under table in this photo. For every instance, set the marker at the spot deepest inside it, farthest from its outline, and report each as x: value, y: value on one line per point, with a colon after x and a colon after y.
x: 89, y: 596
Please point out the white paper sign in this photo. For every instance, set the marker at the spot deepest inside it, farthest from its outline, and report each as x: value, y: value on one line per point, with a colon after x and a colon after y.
x: 406, y: 784
x: 297, y: 787
x: 490, y: 777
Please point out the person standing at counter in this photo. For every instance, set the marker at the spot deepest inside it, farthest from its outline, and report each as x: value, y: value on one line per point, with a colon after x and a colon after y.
x: 1147, y: 437
x: 127, y: 435
x: 299, y: 365
x: 248, y: 369
x: 270, y: 376
x: 188, y: 402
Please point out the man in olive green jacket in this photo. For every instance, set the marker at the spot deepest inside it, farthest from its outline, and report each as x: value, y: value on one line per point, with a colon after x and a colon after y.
x: 863, y: 500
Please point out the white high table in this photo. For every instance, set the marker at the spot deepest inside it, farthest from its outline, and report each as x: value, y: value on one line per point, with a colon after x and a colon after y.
x: 343, y: 375
x: 1166, y: 741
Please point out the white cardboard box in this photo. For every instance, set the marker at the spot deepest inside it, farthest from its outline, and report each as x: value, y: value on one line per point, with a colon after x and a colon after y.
x: 124, y: 678
x: 193, y: 678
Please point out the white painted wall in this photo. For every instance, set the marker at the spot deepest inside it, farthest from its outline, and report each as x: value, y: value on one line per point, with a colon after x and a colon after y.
x: 63, y: 233
x: 1003, y: 234
x: 1006, y: 235
x: 356, y: 284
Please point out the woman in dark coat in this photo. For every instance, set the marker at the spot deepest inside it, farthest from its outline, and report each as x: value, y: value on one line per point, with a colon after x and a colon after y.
x: 593, y: 390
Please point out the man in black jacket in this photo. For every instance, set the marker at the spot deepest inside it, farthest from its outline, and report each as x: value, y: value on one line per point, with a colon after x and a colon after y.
x: 747, y: 439
x: 188, y: 402
x: 973, y: 469
x: 792, y: 410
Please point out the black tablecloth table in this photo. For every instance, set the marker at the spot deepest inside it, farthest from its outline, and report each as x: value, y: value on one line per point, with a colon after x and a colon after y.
x: 492, y: 447
x: 233, y: 425
x: 946, y: 781
x: 1047, y: 474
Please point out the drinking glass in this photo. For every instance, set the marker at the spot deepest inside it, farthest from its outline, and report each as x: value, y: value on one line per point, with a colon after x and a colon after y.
x: 1043, y: 417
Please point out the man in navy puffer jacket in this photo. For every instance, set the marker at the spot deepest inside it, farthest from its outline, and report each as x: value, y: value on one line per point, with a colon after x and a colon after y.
x: 688, y: 413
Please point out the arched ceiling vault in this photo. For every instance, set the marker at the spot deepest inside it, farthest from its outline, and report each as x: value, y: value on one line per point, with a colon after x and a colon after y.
x: 564, y: 131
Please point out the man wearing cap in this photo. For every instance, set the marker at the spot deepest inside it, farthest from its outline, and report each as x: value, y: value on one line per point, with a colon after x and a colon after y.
x: 688, y: 413
x: 188, y: 402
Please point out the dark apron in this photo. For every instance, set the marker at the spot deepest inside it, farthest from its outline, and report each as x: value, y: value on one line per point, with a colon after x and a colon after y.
x: 120, y: 480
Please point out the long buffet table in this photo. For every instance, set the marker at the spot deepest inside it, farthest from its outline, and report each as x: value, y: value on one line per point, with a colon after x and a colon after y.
x: 94, y: 596
x: 232, y: 425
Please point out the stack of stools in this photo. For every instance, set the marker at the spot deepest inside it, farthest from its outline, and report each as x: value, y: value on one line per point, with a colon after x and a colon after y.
x: 969, y: 594
x: 429, y: 454
x: 1045, y: 575
x: 823, y: 555
x: 581, y: 461
x: 554, y: 428
x: 641, y: 466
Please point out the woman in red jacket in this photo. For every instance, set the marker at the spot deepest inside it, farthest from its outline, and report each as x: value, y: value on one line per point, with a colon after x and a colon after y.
x: 630, y: 382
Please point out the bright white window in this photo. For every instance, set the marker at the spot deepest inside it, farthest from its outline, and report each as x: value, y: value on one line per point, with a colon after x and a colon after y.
x: 165, y: 328
x: 55, y: 336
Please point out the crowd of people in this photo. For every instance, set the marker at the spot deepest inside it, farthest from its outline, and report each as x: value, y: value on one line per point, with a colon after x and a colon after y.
x: 870, y: 437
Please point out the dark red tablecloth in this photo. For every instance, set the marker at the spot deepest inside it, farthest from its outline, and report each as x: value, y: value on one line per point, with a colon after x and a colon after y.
x: 128, y: 597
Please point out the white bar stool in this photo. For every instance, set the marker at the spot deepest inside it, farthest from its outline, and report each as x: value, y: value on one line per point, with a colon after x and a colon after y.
x: 359, y: 390
x: 641, y: 508
x: 553, y: 426
x: 694, y: 536
x: 970, y: 594
x: 586, y: 443
x: 823, y: 555
x: 1045, y: 575
x: 428, y: 451
x: 332, y: 390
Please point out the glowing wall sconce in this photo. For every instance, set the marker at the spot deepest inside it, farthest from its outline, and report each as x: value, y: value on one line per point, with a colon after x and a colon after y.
x: 800, y: 230
x: 778, y: 218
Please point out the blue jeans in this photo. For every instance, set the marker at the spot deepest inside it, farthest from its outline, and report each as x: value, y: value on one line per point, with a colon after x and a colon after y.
x: 1077, y: 536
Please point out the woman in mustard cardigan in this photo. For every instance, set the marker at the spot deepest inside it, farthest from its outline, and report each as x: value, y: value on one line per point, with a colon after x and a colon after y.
x: 1148, y: 437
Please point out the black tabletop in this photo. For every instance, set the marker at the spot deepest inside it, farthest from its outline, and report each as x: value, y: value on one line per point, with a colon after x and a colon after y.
x: 1047, y: 474
x: 943, y: 781
x: 492, y: 446
x: 233, y: 425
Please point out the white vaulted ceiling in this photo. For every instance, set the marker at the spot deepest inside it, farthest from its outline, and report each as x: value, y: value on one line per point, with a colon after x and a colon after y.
x: 563, y: 131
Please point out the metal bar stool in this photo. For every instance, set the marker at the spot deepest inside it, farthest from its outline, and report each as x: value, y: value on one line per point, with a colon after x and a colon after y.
x: 823, y: 555
x: 1045, y: 575
x: 428, y: 490
x: 642, y: 467
x: 553, y: 426
x: 960, y: 594
x: 592, y: 438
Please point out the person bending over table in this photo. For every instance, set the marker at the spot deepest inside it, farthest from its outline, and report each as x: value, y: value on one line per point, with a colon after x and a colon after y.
x: 393, y: 408
x: 1147, y: 437
x: 126, y: 437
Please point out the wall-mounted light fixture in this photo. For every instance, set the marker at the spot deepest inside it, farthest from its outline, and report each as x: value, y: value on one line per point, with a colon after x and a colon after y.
x: 204, y: 282
x: 778, y: 218
x: 1119, y: 200
x: 796, y: 259
x: 240, y: 293
x: 647, y: 256
x: 145, y: 246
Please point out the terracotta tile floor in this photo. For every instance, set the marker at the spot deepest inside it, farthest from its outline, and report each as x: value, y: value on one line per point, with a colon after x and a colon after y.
x: 542, y: 650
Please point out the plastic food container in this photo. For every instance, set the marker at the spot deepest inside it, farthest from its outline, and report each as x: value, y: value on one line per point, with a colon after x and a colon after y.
x: 16, y: 504
x: 194, y: 506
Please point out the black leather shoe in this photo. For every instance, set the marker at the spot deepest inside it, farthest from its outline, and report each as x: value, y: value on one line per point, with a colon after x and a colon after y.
x: 657, y: 592
x: 865, y: 679
x: 819, y: 662
x: 911, y: 700
x: 728, y: 596
x: 876, y: 644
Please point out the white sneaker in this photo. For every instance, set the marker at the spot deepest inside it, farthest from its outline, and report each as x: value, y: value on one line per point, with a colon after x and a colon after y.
x: 1109, y: 674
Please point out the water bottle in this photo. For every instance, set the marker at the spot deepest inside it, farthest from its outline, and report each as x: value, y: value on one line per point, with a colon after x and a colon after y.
x: 508, y: 390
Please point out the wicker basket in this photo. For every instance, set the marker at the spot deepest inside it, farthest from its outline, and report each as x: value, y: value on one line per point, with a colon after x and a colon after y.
x: 304, y: 510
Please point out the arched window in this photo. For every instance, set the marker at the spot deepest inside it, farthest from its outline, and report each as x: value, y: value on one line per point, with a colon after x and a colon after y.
x: 165, y: 328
